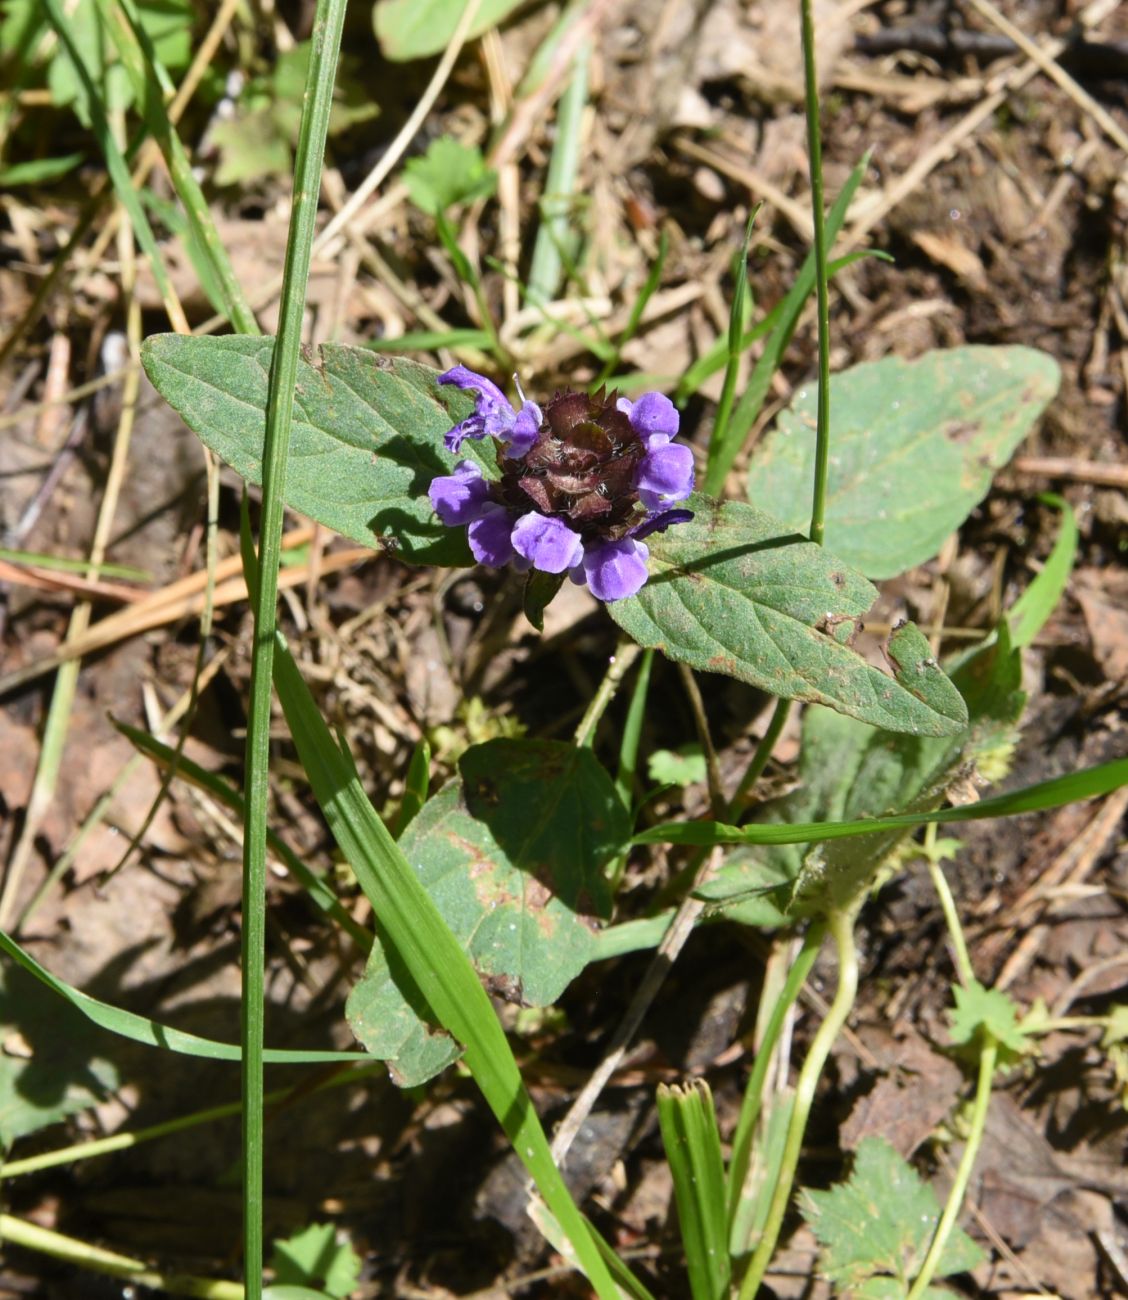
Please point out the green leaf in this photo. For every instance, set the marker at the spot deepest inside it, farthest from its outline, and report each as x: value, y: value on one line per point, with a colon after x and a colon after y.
x: 448, y: 174
x: 688, y: 1121
x: 366, y: 442
x: 735, y: 591
x: 416, y: 29
x: 151, y: 1032
x: 314, y: 1257
x: 683, y: 766
x: 914, y: 446
x: 250, y: 147
x: 1029, y: 613
x: 1089, y: 783
x: 880, y: 1222
x: 435, y: 966
x: 52, y: 1064
x: 39, y: 171
x: 169, y: 27
x: 512, y: 855
x: 981, y: 1010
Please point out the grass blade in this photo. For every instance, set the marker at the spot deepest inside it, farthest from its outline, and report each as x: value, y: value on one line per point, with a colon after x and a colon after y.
x: 1087, y: 784
x: 328, y: 23
x: 117, y: 167
x: 127, y: 1024
x: 692, y: 1141
x: 151, y: 83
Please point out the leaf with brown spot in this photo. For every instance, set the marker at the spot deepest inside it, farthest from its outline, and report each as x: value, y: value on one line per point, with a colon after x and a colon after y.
x: 512, y: 851
x: 736, y: 591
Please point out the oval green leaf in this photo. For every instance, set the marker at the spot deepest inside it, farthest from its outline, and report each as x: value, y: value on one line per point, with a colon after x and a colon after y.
x: 913, y: 448
x: 512, y: 853
x: 737, y: 592
x: 367, y: 437
x: 416, y: 29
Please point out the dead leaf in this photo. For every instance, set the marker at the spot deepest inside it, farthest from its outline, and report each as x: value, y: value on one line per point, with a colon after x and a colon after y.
x: 949, y: 251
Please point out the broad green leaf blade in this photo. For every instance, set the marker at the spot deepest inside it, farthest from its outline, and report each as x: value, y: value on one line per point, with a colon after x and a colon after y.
x: 880, y: 1221
x: 914, y: 446
x: 367, y: 436
x: 416, y: 29
x: 512, y: 855
x: 735, y: 591
x: 314, y: 1257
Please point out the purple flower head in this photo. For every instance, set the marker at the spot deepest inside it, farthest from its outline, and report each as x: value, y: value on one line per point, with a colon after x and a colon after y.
x: 493, y: 415
x: 580, y: 483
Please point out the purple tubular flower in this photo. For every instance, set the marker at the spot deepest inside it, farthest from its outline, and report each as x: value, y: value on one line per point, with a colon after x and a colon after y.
x: 461, y: 497
x: 547, y: 543
x: 493, y: 414
x: 665, y: 474
x: 491, y: 537
x: 616, y: 570
x: 653, y: 417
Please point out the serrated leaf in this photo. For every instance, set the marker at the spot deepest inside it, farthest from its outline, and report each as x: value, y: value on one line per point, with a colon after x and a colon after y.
x: 416, y: 29
x: 57, y: 1069
x: 366, y: 441
x: 735, y: 591
x: 880, y: 1222
x: 512, y: 854
x: 448, y: 174
x: 991, y: 1011
x: 677, y: 767
x: 913, y: 448
x: 314, y: 1257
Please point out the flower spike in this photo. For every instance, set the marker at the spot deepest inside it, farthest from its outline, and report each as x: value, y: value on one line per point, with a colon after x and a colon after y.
x: 581, y: 483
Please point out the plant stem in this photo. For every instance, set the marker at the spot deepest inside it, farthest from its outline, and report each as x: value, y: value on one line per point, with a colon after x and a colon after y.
x: 754, y: 1089
x: 327, y: 27
x: 841, y: 926
x: 987, y: 1056
x: 626, y: 652
x: 759, y: 758
x: 948, y: 904
x: 32, y: 1237
x: 822, y: 291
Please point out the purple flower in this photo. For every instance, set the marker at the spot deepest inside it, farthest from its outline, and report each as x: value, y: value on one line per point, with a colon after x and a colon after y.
x: 653, y: 417
x: 458, y: 498
x: 491, y: 537
x: 616, y: 570
x: 492, y: 415
x: 581, y: 483
x: 665, y: 475
x: 547, y: 543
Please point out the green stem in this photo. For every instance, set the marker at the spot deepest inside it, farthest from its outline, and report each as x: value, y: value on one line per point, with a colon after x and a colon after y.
x: 841, y: 925
x: 626, y: 652
x: 760, y: 758
x: 822, y: 290
x: 32, y: 1237
x: 754, y: 1090
x: 987, y: 1057
x: 326, y: 42
x: 948, y: 905
x: 126, y: 1141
